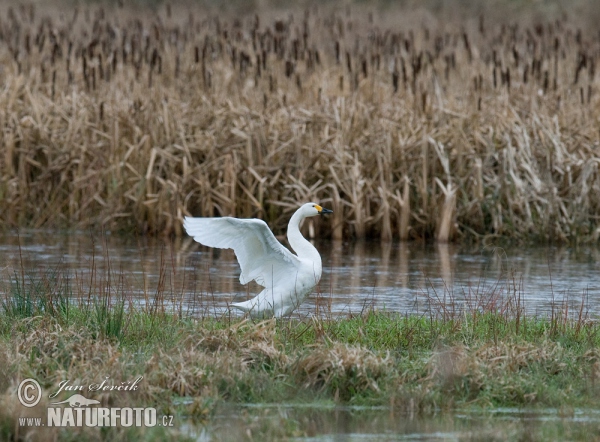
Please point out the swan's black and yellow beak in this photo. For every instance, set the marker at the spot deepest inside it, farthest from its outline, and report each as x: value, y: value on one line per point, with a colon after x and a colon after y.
x: 323, y: 211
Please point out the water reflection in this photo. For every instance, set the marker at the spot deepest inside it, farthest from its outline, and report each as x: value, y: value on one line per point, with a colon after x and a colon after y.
x: 333, y: 423
x: 404, y: 277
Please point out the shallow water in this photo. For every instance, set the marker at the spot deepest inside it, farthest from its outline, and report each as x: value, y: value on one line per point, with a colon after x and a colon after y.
x: 324, y: 423
x: 410, y: 278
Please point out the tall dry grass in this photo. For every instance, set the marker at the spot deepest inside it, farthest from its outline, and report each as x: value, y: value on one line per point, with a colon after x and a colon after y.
x: 423, y: 128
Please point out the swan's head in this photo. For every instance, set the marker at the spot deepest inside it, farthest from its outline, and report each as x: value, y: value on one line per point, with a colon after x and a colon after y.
x: 313, y: 209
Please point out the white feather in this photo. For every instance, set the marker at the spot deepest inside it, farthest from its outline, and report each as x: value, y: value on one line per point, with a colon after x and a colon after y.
x: 287, y: 278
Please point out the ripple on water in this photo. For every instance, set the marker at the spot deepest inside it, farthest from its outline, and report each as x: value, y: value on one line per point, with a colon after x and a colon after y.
x: 407, y: 278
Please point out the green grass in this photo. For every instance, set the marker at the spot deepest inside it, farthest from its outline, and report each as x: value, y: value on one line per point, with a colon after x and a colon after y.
x: 336, y: 358
x: 476, y: 358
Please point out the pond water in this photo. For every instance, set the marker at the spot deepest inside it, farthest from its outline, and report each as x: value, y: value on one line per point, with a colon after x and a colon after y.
x: 411, y: 278
x: 335, y: 423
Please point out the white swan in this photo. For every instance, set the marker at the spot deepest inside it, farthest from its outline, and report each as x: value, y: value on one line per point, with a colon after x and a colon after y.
x: 287, y: 279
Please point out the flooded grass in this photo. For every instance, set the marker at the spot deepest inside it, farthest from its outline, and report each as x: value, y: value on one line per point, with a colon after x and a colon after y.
x: 475, y: 358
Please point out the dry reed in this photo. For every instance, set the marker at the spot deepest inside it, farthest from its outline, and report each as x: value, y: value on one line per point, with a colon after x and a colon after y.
x: 131, y: 120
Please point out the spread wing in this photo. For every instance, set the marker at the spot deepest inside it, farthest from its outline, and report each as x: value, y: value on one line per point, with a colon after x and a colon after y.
x: 261, y: 257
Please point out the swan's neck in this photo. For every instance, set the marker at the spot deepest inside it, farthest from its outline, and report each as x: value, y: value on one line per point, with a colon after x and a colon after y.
x: 303, y: 248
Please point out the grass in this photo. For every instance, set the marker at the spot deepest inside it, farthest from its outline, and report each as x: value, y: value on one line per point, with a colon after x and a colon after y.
x: 410, y: 124
x: 421, y: 367
x: 483, y: 356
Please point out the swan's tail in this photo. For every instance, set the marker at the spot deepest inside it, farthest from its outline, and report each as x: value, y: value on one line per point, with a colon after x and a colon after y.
x: 245, y: 306
x: 258, y: 309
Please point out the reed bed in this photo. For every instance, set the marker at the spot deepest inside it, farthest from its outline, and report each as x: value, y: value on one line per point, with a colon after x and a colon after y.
x: 412, y: 129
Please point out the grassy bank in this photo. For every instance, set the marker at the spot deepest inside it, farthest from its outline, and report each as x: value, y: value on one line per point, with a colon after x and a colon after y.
x: 408, y: 123
x: 477, y: 358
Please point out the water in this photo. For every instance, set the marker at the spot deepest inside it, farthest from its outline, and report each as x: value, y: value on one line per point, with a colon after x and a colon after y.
x: 409, y: 278
x: 322, y: 423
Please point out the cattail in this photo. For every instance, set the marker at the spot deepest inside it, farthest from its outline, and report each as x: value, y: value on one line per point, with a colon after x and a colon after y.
x: 244, y: 61
x: 40, y: 42
x: 309, y: 60
x: 85, y: 71
x: 581, y: 63
x: 537, y: 68
x: 233, y: 56
x: 289, y: 68
x: 137, y: 66
x: 447, y: 67
x: 53, y: 83
x: 100, y: 67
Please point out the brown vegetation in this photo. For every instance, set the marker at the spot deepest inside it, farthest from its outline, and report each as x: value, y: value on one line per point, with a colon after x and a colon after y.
x: 422, y: 129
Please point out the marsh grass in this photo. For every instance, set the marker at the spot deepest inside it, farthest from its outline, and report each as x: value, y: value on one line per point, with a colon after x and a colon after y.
x: 482, y: 354
x: 407, y: 124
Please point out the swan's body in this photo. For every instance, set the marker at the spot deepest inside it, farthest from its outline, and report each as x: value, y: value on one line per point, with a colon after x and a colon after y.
x: 287, y: 278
